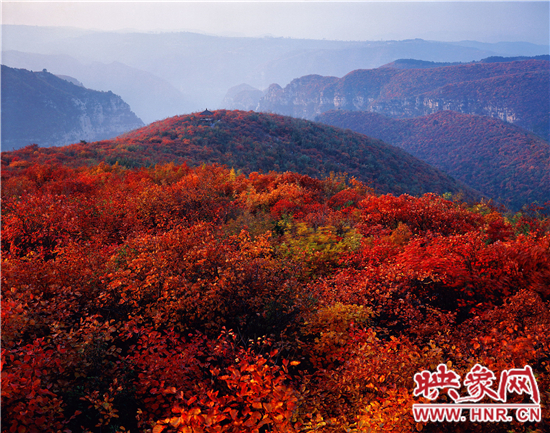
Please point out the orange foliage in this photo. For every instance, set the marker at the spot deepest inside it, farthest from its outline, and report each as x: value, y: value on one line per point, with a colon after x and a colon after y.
x: 199, y: 299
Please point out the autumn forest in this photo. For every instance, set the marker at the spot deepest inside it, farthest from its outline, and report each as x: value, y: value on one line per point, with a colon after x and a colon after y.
x: 146, y: 295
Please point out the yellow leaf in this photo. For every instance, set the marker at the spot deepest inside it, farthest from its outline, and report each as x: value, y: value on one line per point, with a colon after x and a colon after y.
x: 195, y: 411
x: 175, y: 421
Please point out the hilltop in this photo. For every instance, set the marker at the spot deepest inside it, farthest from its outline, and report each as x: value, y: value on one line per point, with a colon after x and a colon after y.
x: 501, y: 160
x: 251, y: 142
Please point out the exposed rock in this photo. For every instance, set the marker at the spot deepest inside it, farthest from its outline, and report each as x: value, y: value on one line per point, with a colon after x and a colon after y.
x: 41, y: 108
x: 516, y: 92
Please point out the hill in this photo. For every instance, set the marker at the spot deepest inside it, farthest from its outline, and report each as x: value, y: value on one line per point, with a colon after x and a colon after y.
x: 501, y: 160
x: 516, y: 92
x: 251, y: 142
x: 39, y: 107
x: 242, y: 97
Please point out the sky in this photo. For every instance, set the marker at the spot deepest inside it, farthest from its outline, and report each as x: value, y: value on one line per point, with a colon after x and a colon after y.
x: 487, y: 21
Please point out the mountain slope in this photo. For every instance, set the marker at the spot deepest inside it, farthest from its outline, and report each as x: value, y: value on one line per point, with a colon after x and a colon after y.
x: 500, y: 160
x: 252, y: 142
x: 38, y: 107
x: 151, y: 97
x: 513, y: 91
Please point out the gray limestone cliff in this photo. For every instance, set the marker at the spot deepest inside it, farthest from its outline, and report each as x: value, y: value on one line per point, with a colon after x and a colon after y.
x: 515, y: 92
x: 41, y: 108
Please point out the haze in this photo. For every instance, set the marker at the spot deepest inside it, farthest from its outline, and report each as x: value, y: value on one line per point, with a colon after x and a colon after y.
x: 443, y: 21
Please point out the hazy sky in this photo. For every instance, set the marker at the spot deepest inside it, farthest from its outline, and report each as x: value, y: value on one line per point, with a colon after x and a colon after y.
x: 438, y: 20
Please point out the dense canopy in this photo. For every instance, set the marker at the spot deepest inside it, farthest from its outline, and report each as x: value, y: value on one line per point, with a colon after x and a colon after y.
x: 172, y: 298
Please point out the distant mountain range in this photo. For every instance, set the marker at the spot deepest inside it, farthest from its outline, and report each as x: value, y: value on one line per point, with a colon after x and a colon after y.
x: 516, y: 92
x: 199, y: 69
x: 501, y: 160
x: 251, y: 142
x: 422, y: 64
x: 41, y: 108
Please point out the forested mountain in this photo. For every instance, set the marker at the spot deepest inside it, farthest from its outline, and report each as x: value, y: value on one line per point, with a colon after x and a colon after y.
x: 251, y: 142
x: 516, y: 92
x: 41, y: 108
x: 501, y: 160
x: 245, y: 272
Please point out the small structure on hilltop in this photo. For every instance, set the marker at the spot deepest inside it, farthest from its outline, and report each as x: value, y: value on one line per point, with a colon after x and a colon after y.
x: 206, y: 116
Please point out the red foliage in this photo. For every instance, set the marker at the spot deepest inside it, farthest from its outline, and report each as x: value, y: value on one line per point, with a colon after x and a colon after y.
x: 198, y: 299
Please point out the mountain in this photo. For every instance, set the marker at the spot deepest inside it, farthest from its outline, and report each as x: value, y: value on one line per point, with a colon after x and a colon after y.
x: 151, y: 97
x: 38, y: 107
x: 251, y: 142
x: 516, y: 92
x: 242, y: 97
x: 70, y: 80
x: 203, y: 67
x: 423, y: 64
x: 501, y: 160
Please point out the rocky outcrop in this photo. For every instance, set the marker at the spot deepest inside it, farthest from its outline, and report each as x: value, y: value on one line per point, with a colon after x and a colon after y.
x: 516, y: 92
x: 41, y: 108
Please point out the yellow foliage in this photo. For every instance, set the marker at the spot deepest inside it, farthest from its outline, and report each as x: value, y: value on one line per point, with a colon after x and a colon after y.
x: 319, y: 249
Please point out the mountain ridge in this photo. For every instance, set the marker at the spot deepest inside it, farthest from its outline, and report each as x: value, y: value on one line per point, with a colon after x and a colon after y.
x: 189, y: 61
x: 251, y: 142
x: 39, y: 107
x: 151, y: 97
x: 513, y: 91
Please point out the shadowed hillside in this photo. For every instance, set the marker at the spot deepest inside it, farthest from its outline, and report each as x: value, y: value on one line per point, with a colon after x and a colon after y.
x: 501, y: 160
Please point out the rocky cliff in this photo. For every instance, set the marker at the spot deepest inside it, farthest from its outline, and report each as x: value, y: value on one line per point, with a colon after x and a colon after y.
x: 516, y: 92
x: 41, y: 108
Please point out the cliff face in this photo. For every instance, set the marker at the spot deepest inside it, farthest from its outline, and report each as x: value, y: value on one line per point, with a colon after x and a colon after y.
x: 38, y: 107
x: 516, y: 92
